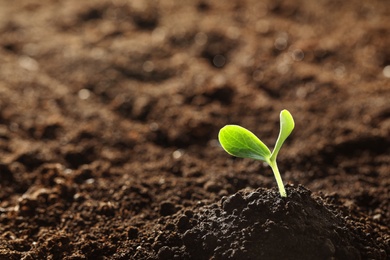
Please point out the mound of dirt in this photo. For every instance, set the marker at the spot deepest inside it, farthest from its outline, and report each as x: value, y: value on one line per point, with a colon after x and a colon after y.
x: 260, y: 224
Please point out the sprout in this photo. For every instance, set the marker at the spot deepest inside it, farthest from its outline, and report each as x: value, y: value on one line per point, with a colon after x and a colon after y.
x: 240, y: 142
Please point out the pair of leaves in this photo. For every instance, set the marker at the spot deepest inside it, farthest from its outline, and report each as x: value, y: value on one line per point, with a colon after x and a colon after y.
x: 240, y: 142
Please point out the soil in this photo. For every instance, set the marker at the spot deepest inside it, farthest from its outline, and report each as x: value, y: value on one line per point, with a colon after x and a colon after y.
x: 110, y: 111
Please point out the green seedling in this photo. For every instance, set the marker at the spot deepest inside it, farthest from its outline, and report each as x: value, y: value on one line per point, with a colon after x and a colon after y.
x: 240, y: 142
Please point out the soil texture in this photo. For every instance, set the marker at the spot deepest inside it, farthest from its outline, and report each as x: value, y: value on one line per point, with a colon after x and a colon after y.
x: 110, y: 112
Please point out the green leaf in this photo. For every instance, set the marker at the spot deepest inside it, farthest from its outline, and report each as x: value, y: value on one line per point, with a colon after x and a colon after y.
x: 286, y: 126
x: 240, y: 142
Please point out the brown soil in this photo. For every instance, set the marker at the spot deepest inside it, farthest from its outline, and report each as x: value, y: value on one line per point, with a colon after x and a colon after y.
x: 110, y: 110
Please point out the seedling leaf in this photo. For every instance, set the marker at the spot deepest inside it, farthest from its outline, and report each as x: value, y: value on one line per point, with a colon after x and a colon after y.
x: 286, y: 126
x: 240, y: 142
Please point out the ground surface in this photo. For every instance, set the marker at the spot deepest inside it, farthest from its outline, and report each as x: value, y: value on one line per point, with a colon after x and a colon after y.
x: 110, y: 110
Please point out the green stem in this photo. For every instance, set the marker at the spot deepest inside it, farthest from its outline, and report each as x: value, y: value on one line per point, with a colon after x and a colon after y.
x: 278, y: 178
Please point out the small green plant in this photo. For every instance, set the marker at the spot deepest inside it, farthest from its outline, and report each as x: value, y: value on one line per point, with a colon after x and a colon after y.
x: 240, y: 142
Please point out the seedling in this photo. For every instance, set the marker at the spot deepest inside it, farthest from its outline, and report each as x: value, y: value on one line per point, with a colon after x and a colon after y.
x: 240, y: 142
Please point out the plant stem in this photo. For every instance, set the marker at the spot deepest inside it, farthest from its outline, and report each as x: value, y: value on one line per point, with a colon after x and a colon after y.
x: 278, y: 178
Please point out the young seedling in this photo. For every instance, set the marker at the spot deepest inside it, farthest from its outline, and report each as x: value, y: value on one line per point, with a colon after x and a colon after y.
x: 240, y: 142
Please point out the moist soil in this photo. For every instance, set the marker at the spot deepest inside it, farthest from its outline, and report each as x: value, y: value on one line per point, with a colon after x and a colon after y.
x: 110, y: 111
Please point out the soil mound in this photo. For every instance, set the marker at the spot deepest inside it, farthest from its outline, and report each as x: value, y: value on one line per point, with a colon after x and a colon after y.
x: 262, y: 225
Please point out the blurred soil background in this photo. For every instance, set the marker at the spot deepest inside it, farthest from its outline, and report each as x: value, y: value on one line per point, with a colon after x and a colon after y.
x: 110, y: 110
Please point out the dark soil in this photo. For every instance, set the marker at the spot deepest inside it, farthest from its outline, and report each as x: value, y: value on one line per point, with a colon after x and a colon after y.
x: 110, y: 110
x: 261, y: 225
